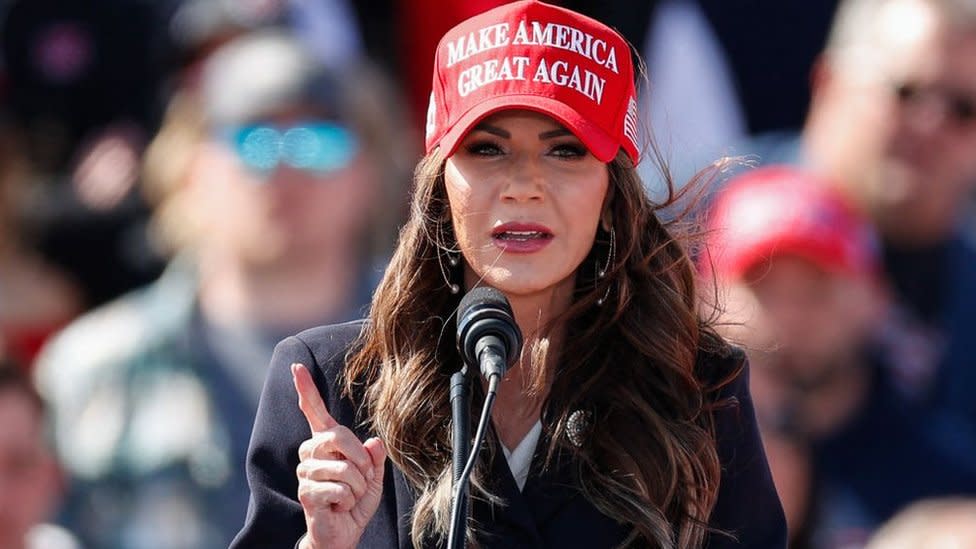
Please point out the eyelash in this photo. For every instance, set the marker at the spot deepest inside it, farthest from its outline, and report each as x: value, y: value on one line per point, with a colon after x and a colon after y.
x: 560, y: 150
x: 482, y: 148
x: 574, y: 150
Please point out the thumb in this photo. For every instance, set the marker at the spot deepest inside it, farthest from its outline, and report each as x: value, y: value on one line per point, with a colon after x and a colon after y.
x: 368, y: 504
x: 377, y: 454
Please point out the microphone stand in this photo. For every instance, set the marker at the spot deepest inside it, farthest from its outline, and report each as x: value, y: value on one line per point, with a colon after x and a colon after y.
x: 489, y: 338
x: 461, y: 415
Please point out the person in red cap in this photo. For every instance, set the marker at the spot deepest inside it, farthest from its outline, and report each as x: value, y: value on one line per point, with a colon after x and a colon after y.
x: 625, y: 420
x: 800, y: 271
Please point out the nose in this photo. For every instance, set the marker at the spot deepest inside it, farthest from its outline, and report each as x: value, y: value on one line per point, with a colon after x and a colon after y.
x: 526, y: 181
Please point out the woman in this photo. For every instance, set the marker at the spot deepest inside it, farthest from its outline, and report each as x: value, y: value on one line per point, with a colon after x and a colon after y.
x: 625, y: 421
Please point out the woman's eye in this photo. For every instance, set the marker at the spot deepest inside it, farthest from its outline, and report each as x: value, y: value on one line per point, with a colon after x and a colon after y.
x: 484, y: 148
x: 569, y: 150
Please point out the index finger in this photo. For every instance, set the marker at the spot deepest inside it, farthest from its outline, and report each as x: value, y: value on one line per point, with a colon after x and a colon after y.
x: 310, y: 401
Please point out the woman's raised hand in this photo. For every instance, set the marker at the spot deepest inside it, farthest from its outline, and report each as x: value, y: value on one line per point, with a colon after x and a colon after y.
x: 340, y: 479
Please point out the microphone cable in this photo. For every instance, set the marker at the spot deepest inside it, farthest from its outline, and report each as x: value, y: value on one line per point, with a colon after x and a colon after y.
x: 460, y: 487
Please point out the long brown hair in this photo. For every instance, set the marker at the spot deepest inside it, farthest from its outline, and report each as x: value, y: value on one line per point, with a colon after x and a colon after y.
x: 629, y: 364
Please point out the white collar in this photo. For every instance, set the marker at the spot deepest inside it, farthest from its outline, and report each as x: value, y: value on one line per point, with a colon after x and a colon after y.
x: 520, y: 459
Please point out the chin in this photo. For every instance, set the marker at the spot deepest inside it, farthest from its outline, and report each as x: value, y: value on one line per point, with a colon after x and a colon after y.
x: 900, y: 182
x: 515, y: 283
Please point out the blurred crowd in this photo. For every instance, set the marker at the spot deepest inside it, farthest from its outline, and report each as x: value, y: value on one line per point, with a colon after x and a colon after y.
x: 185, y: 182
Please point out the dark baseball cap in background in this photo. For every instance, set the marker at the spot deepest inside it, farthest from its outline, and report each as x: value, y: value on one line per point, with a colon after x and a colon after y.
x: 261, y: 73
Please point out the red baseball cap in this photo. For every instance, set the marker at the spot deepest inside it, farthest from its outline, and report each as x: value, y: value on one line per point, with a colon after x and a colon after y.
x: 535, y: 56
x: 780, y: 210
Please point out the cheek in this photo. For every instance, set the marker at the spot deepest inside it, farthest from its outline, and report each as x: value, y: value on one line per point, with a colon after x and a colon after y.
x: 342, y: 199
x: 962, y: 166
x: 582, y: 211
x: 462, y: 200
x: 586, y: 208
x: 865, y: 120
x: 229, y: 188
x: 833, y: 324
x: 872, y: 126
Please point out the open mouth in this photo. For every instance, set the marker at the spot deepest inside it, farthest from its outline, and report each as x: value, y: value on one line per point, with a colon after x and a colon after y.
x: 521, y: 236
x: 518, y: 231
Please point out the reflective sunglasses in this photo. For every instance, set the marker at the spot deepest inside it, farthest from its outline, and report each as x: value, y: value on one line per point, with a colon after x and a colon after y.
x: 318, y: 147
x: 957, y: 106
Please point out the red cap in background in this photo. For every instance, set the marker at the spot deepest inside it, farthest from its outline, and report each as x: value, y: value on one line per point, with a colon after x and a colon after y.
x: 780, y: 210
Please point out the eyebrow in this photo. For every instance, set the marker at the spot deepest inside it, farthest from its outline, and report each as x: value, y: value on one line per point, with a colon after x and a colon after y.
x: 494, y: 130
x: 559, y: 132
x: 500, y: 132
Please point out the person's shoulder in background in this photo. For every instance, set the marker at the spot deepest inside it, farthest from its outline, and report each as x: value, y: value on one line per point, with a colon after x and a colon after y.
x: 85, y: 371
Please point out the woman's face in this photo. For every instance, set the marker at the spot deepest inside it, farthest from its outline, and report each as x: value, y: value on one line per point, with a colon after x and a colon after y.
x: 526, y: 197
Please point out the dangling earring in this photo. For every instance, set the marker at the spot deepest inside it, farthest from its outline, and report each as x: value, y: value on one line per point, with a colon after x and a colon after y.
x: 453, y: 261
x: 601, y: 273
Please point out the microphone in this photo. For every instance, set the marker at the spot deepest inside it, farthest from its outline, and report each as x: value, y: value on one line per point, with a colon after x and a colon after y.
x: 489, y: 339
x: 487, y: 336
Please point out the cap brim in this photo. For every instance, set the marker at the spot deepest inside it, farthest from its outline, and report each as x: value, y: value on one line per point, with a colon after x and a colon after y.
x: 599, y: 143
x: 823, y: 256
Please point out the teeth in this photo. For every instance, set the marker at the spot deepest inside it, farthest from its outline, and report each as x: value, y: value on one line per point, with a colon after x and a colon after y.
x: 520, y: 235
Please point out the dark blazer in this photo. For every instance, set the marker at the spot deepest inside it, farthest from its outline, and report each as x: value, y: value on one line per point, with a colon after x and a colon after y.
x: 549, y: 512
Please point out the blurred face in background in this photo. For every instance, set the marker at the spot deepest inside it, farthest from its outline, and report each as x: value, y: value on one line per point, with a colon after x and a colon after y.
x: 897, y: 114
x: 29, y: 479
x: 801, y: 325
x: 808, y: 318
x: 283, y: 187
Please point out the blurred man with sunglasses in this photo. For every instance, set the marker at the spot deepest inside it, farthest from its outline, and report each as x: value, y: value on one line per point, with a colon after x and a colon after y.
x: 892, y: 124
x: 894, y: 113
x: 893, y: 121
x: 277, y: 185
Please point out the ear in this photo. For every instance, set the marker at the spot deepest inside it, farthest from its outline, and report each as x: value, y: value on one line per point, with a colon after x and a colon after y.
x: 821, y: 75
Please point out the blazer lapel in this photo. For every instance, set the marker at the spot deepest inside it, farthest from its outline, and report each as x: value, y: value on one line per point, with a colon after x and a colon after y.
x: 563, y: 515
x: 550, y: 511
x: 510, y: 523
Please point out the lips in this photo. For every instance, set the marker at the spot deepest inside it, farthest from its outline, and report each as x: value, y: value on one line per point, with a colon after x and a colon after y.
x: 521, y: 237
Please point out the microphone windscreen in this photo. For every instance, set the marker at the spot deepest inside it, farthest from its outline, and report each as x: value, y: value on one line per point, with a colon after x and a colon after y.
x: 482, y: 296
x: 485, y: 311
